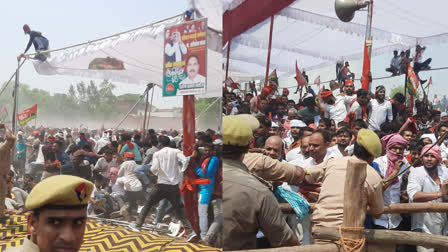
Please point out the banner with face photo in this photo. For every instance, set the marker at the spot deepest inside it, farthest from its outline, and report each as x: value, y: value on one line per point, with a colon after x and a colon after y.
x: 185, y: 59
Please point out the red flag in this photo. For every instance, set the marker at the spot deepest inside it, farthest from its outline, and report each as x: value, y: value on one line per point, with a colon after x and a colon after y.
x: 365, y: 68
x: 299, y: 78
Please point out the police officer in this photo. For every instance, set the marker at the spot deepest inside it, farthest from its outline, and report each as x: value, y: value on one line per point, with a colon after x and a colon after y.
x: 249, y: 204
x: 58, y: 216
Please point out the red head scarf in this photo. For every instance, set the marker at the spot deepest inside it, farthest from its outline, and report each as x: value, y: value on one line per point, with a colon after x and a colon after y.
x: 389, y: 141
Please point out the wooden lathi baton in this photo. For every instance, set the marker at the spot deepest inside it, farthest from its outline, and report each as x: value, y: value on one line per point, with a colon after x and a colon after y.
x: 439, y: 141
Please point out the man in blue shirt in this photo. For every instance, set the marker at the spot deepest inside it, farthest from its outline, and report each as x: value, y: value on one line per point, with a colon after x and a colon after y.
x: 21, y: 153
x: 40, y: 44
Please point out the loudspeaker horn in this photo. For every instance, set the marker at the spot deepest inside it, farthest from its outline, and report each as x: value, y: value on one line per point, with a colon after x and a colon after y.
x: 345, y: 9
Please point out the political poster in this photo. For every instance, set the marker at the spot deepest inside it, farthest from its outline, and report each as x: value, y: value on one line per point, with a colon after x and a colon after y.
x: 27, y: 115
x: 185, y: 59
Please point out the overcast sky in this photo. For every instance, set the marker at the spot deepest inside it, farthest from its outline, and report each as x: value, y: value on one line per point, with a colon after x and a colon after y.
x: 67, y: 23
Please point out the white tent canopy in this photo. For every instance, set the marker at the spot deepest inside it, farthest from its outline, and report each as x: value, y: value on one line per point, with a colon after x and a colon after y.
x: 310, y: 32
x: 140, y: 50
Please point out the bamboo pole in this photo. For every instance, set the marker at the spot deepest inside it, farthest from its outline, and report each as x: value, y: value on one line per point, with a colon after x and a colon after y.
x: 392, y: 208
x: 328, y: 247
x: 354, y: 208
x: 383, y: 236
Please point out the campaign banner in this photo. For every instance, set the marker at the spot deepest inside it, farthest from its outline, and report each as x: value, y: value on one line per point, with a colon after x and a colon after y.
x: 3, y: 114
x: 27, y: 115
x: 185, y: 59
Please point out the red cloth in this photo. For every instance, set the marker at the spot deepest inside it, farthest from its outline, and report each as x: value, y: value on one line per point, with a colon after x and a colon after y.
x: 248, y: 14
x: 365, y: 68
x: 324, y: 94
x: 129, y: 155
x: 130, y: 145
x: 389, y: 141
x: 435, y: 150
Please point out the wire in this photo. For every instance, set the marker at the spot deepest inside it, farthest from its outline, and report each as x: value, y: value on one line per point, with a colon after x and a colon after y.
x: 111, y: 36
x: 378, y: 78
x: 12, y: 76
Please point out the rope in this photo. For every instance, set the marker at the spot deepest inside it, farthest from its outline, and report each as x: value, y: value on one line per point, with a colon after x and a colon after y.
x: 209, y: 106
x: 349, y: 244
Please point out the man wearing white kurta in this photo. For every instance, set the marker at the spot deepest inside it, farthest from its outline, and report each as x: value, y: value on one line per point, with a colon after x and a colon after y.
x: 428, y: 183
x: 169, y: 165
x: 390, y: 196
x: 175, y: 47
x: 380, y: 110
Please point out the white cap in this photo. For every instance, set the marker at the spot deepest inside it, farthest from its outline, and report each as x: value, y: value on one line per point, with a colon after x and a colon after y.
x: 430, y: 136
x: 443, y: 114
x: 297, y: 124
x: 20, y: 133
x: 274, y: 125
x: 217, y: 142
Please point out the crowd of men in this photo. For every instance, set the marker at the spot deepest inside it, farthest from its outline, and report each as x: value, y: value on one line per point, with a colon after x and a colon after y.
x: 275, y: 144
x: 131, y: 173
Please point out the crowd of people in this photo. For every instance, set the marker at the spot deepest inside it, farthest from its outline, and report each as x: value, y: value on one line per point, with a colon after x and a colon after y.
x: 131, y: 173
x: 273, y: 144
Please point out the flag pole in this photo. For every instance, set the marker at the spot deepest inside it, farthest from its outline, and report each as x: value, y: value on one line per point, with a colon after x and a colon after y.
x: 16, y: 101
x: 405, y: 80
x: 367, y: 46
x: 269, y: 51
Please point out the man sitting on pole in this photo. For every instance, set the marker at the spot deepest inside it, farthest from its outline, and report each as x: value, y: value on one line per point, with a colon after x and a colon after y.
x: 40, y: 44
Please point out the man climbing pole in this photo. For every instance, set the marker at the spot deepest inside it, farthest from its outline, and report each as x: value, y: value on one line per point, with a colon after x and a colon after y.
x: 40, y: 44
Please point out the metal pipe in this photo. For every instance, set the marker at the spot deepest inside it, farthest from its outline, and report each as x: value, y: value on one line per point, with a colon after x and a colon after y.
x: 16, y: 100
x: 150, y: 107
x: 228, y: 59
x: 135, y: 105
x: 146, y: 111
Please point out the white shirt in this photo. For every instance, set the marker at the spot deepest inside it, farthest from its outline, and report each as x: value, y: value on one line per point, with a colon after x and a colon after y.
x: 348, y: 100
x: 336, y: 153
x: 197, y: 82
x: 309, y: 162
x: 293, y: 154
x: 177, y: 49
x: 104, y: 166
x: 444, y: 151
x: 101, y: 143
x: 379, y: 113
x: 169, y: 165
x: 288, y: 140
x: 337, y: 111
x: 420, y: 181
x: 390, y: 196
x: 357, y: 109
x: 126, y: 175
